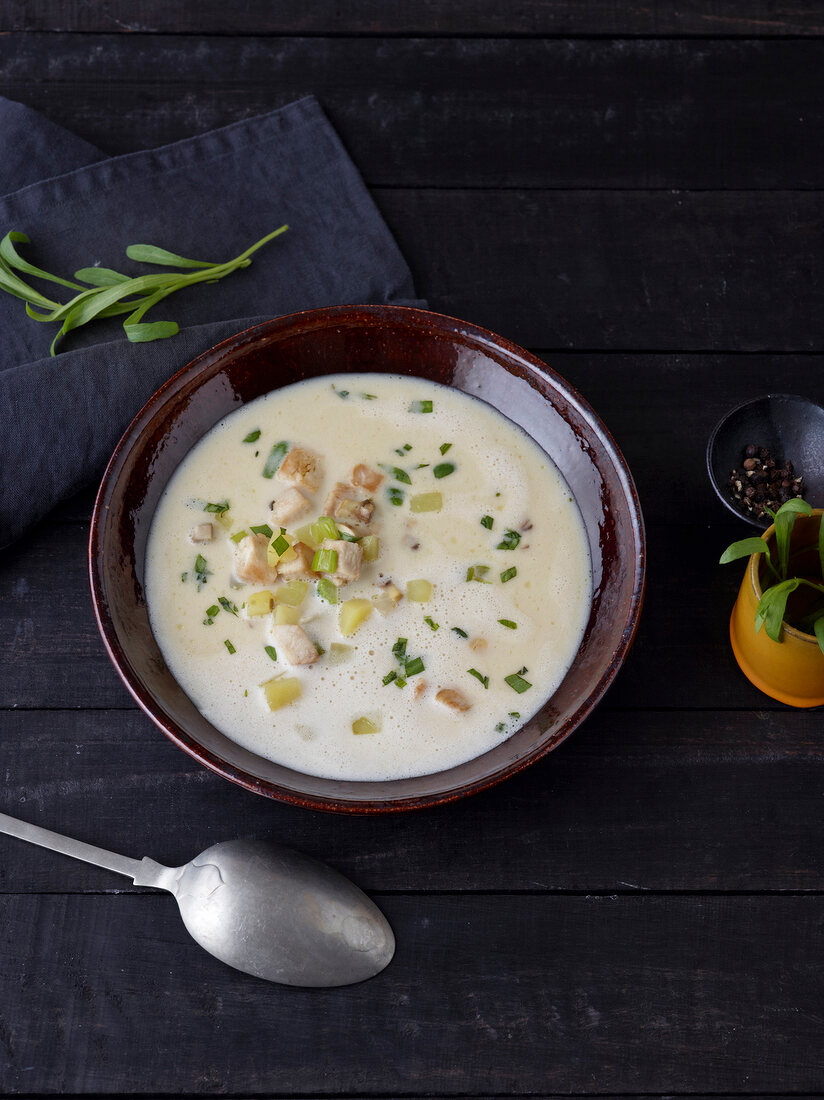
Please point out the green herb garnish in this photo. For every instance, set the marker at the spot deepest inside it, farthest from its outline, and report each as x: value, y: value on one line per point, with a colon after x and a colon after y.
x: 281, y: 544
x: 414, y: 666
x: 202, y: 571
x: 444, y: 469
x: 445, y: 447
x: 227, y: 605
x: 389, y: 677
x: 262, y: 529
x: 210, y: 614
x: 478, y: 573
x: 270, y: 651
x: 400, y: 682
x: 461, y: 633
x: 109, y: 293
x: 399, y: 649
x: 517, y: 682
x: 276, y: 456
x: 431, y: 623
x: 229, y: 646
x: 239, y: 535
x: 487, y: 521
x: 479, y: 676
x: 508, y: 574
x: 395, y: 495
x: 369, y: 396
x: 508, y: 623
x: 397, y: 473
x: 509, y: 541
x: 218, y: 509
x: 252, y: 437
x: 421, y: 407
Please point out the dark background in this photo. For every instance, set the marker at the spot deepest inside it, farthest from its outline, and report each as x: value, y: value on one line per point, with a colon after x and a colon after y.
x: 634, y: 192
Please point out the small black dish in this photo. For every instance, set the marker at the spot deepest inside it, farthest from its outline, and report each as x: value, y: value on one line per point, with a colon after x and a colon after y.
x: 790, y: 427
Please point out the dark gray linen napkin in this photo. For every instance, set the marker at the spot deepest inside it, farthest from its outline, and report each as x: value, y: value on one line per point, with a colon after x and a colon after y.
x: 208, y: 197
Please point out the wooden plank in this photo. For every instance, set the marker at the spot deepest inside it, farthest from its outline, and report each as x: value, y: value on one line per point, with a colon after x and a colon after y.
x: 421, y: 17
x: 633, y: 802
x: 458, y: 112
x: 500, y: 995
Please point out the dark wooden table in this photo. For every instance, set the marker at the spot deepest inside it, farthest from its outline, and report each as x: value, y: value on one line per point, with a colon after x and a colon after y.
x: 634, y: 191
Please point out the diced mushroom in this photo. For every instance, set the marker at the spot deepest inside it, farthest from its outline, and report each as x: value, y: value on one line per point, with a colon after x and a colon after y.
x: 302, y: 468
x: 477, y: 643
x: 290, y: 505
x: 453, y: 699
x: 294, y: 645
x: 364, y: 477
x: 347, y: 503
x: 300, y: 567
x: 350, y: 559
x: 250, y: 561
x: 202, y: 532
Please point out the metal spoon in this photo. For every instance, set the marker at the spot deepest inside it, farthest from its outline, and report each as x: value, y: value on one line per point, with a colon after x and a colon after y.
x: 264, y: 909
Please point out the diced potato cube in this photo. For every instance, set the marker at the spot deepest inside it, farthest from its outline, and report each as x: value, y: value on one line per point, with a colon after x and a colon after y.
x: 286, y: 615
x: 365, y: 725
x: 202, y: 532
x: 352, y: 614
x: 281, y: 691
x: 371, y: 546
x: 419, y: 591
x: 339, y: 653
x: 293, y: 593
x: 260, y: 603
x: 426, y: 502
x: 302, y: 468
x: 289, y: 506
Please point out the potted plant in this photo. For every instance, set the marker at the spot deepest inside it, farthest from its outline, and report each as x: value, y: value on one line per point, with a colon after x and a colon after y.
x: 777, y: 623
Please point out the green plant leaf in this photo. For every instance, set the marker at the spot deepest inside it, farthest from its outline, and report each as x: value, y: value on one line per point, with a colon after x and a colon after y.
x: 9, y: 254
x: 744, y: 549
x: 772, y: 607
x: 100, y: 276
x: 784, y: 522
x: 151, y: 254
x: 13, y: 284
x: 156, y: 330
x: 821, y: 544
x: 819, y: 631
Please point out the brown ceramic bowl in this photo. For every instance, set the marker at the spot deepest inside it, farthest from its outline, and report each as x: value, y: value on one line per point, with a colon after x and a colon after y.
x: 383, y: 339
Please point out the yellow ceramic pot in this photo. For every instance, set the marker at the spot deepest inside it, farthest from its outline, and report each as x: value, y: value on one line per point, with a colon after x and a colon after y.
x: 791, y: 670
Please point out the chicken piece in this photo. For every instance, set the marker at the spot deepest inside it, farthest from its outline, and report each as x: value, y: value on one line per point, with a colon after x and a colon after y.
x: 289, y: 505
x: 350, y: 560
x: 348, y: 504
x: 299, y: 568
x: 364, y: 477
x: 202, y: 532
x: 453, y: 699
x: 250, y: 561
x: 292, y: 643
x: 420, y: 688
x: 301, y: 468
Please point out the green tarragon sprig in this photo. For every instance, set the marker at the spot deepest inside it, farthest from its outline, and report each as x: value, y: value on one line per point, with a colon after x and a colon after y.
x: 109, y: 293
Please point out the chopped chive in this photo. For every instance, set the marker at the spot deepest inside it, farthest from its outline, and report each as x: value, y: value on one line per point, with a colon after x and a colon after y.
x: 201, y: 571
x: 226, y: 605
x: 399, y: 649
x: 421, y: 407
x: 413, y: 667
x: 218, y: 509
x: 400, y: 682
x: 508, y: 574
x: 281, y: 544
x: 444, y: 469
x: 325, y: 561
x: 369, y: 396
x: 400, y: 451
x: 346, y: 536
x: 508, y: 623
x: 514, y: 714
x: 239, y: 535
x: 183, y: 577
x: 212, y: 611
x: 517, y: 682
x: 461, y: 633
x: 479, y: 676
x: 276, y: 456
x: 431, y: 623
x: 327, y: 590
x: 422, y: 466
x: 319, y: 648
x: 252, y: 437
x: 395, y: 495
x: 478, y: 573
x: 270, y: 651
x: 509, y: 541
x: 229, y: 646
x: 262, y: 529
x: 487, y: 521
x: 397, y: 473
x: 445, y: 447
x: 341, y: 393
x: 389, y: 677
x: 501, y: 726
x: 407, y: 446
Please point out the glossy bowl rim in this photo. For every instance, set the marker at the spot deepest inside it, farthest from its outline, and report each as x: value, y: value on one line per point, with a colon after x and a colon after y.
x: 343, y: 314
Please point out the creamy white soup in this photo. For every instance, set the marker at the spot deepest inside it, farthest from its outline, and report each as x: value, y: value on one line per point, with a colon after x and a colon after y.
x: 368, y: 577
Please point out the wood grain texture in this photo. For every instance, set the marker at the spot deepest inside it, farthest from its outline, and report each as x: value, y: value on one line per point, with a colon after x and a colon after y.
x: 458, y: 112
x: 633, y: 802
x: 432, y: 18
x: 486, y: 994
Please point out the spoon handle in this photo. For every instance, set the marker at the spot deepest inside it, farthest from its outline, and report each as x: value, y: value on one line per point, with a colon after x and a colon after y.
x: 34, y: 834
